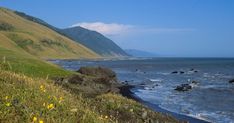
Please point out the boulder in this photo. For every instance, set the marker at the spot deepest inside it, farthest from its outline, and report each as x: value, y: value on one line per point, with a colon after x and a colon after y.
x: 183, y: 87
x: 195, y: 82
x: 182, y: 72
x: 97, y: 72
x: 174, y: 72
x: 231, y: 81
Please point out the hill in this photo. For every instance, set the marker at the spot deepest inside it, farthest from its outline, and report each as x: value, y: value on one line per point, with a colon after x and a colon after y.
x: 95, y: 41
x: 38, y: 40
x: 91, y: 39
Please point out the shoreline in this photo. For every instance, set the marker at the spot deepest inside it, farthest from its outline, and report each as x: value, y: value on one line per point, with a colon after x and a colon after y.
x: 126, y: 92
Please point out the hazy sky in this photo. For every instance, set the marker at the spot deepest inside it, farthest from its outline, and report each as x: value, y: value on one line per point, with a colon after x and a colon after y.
x: 194, y: 28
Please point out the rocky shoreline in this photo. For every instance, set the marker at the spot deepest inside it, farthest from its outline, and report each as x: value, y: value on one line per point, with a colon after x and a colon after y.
x: 126, y: 92
x: 95, y: 81
x: 106, y: 95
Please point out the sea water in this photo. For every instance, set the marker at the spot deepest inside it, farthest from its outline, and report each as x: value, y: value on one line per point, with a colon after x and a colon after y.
x: 210, y: 99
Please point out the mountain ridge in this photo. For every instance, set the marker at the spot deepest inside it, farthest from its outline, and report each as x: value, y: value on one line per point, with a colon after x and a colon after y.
x: 95, y: 41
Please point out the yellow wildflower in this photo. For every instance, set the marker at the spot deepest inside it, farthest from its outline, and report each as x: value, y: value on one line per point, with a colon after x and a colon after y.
x: 50, y: 106
x: 41, y: 121
x: 8, y: 104
x: 131, y: 110
x: 60, y: 98
x: 41, y: 87
x: 106, y: 117
x: 6, y: 97
x: 34, y: 119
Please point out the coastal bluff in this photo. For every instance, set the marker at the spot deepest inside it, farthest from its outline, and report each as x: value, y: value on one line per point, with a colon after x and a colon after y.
x: 101, y: 87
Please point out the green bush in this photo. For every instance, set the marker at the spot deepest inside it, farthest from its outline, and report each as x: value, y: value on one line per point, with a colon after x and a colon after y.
x: 6, y: 27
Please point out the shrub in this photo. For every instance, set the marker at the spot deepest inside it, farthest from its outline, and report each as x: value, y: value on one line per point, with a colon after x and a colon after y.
x: 6, y: 27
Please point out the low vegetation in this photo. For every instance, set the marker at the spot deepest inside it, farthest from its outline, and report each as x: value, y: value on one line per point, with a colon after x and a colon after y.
x: 24, y: 99
x: 6, y: 27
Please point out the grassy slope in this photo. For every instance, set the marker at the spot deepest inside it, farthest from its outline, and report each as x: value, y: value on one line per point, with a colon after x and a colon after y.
x: 24, y: 99
x: 25, y: 63
x: 27, y: 94
x: 39, y: 40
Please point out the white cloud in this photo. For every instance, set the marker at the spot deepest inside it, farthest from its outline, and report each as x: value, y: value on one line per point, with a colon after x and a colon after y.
x: 105, y: 28
x: 115, y: 29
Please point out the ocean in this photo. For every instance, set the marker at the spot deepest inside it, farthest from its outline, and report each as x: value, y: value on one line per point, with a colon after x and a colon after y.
x: 211, y: 97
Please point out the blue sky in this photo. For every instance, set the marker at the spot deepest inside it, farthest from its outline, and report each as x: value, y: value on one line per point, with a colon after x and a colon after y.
x: 183, y: 28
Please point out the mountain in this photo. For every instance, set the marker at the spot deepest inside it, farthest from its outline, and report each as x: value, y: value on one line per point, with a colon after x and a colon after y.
x: 95, y: 41
x: 27, y: 36
x: 140, y: 53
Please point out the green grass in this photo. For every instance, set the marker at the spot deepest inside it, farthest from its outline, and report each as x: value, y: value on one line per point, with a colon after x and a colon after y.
x: 26, y: 94
x: 28, y: 65
x: 123, y: 110
x: 24, y: 99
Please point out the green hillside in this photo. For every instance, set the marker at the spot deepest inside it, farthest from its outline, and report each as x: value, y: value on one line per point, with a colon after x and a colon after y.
x: 91, y: 39
x: 38, y: 40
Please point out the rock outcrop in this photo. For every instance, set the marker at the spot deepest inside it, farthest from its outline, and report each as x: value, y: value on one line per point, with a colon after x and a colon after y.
x: 91, y: 81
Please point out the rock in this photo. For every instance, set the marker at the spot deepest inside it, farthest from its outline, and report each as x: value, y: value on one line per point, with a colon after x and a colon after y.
x: 97, y: 71
x: 194, y: 82
x: 75, y: 79
x: 91, y: 81
x: 174, y: 72
x: 182, y: 72
x: 142, y: 84
x: 124, y: 82
x: 183, y: 87
x: 231, y: 81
